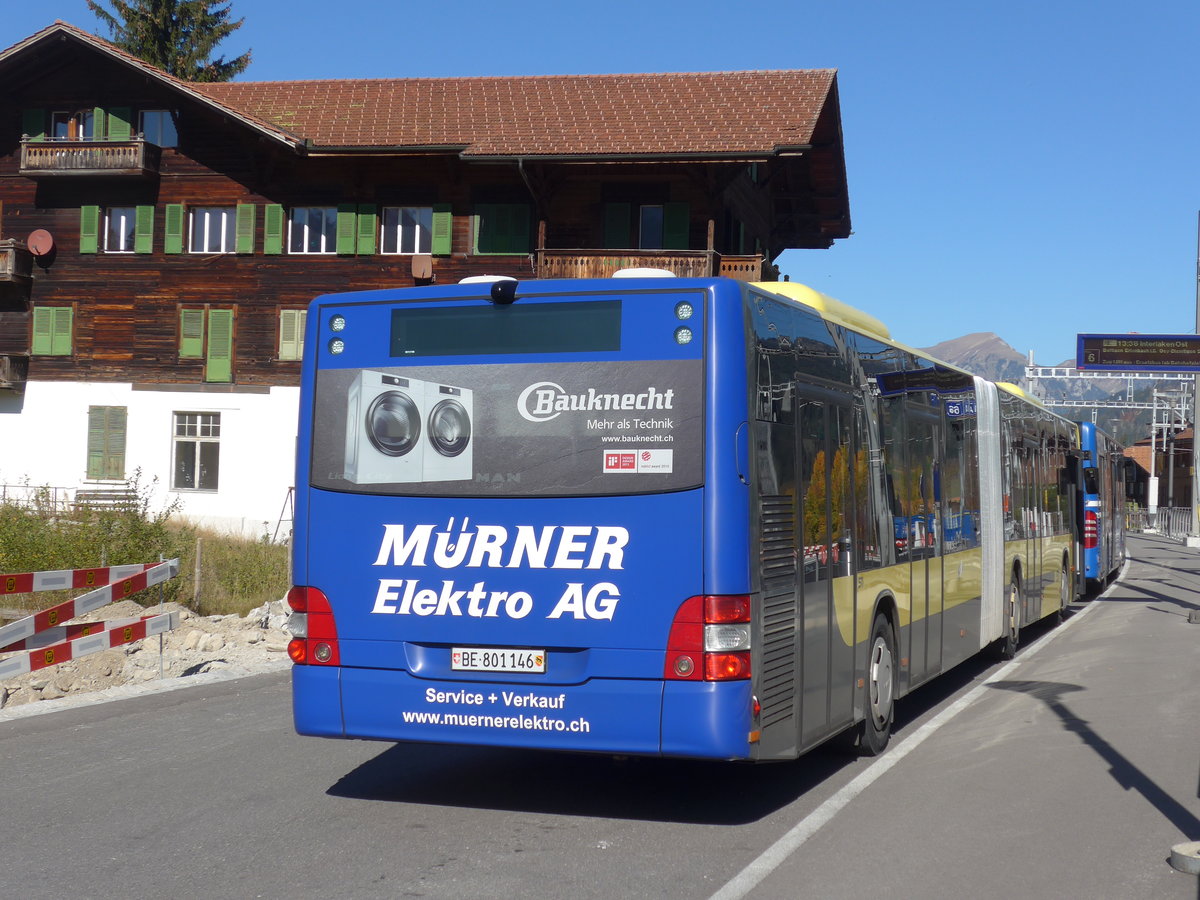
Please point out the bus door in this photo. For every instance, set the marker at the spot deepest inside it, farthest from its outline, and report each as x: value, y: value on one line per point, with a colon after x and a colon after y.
x: 925, y: 544
x: 824, y: 455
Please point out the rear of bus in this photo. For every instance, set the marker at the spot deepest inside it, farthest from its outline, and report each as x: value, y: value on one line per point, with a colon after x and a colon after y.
x: 522, y: 518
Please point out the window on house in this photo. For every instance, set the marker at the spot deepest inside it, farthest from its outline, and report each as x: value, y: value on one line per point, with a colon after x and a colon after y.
x: 120, y: 229
x: 407, y: 229
x: 158, y: 127
x: 650, y: 227
x: 52, y: 330
x: 106, y: 441
x: 213, y: 229
x: 207, y: 333
x: 197, y: 451
x: 312, y: 229
x: 291, y: 333
x: 502, y: 228
x: 73, y: 126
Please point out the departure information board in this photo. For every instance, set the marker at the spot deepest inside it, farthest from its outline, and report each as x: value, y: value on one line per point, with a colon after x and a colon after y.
x: 1139, y: 352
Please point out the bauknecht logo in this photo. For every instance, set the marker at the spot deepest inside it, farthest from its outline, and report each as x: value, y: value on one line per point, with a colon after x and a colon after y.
x: 545, y: 400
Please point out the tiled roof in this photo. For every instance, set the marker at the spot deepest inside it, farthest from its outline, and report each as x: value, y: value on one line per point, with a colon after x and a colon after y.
x: 719, y: 113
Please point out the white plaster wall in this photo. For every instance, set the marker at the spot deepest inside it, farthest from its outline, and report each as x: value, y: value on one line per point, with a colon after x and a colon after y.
x: 43, y: 441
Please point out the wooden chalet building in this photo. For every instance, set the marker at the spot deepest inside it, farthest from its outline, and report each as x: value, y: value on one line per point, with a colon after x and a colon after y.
x: 159, y: 240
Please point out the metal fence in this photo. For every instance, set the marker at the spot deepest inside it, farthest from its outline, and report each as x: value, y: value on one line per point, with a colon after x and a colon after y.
x: 1174, y: 523
x: 55, y: 499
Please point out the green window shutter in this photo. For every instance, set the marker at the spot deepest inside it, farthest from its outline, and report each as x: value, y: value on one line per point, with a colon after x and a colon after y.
x: 219, y: 361
x: 97, y: 438
x: 89, y: 229
x: 346, y: 228
x: 502, y: 228
x: 43, y: 331
x: 143, y: 235
x: 675, y: 226
x: 60, y: 338
x: 443, y: 229
x: 518, y: 228
x: 616, y: 226
x: 106, y: 442
x: 291, y: 333
x: 33, y: 123
x: 191, y: 333
x: 120, y: 123
x: 98, y: 121
x: 368, y: 227
x: 273, y: 228
x: 245, y: 227
x: 173, y: 236
x: 51, y: 331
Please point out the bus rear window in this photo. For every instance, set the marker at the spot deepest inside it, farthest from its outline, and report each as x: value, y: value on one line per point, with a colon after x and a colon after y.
x: 527, y: 327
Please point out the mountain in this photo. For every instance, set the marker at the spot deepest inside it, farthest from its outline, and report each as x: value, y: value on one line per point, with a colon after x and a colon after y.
x: 983, y: 353
x: 986, y: 354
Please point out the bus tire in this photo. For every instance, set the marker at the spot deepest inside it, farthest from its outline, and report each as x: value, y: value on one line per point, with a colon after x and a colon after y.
x: 875, y: 730
x: 1064, y: 593
x: 1007, y: 645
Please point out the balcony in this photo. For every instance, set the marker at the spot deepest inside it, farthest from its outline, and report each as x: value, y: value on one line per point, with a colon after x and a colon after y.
x: 14, y: 372
x: 16, y: 274
x: 684, y: 263
x: 54, y: 158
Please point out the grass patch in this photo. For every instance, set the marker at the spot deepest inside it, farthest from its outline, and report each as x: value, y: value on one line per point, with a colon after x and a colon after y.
x: 219, y: 574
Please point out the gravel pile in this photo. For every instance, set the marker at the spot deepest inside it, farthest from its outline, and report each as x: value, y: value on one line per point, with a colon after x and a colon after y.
x: 254, y: 643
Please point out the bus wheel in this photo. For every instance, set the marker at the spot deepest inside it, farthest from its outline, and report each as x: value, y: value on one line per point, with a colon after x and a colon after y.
x: 1012, y: 612
x: 876, y: 729
x: 1064, y: 594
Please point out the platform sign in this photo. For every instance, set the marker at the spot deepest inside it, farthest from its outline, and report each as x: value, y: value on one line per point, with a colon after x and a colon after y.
x: 1138, y: 352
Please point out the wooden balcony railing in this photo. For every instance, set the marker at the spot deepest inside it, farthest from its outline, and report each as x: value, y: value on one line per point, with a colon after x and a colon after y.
x: 684, y: 263
x: 14, y: 372
x: 16, y: 262
x: 16, y: 274
x: 57, y: 158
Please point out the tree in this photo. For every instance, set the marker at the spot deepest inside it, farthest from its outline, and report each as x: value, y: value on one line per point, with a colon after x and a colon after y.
x: 178, y: 36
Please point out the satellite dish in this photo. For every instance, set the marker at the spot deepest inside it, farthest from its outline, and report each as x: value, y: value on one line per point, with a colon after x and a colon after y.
x: 40, y: 242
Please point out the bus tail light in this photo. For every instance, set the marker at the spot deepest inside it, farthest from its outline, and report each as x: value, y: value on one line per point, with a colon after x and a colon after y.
x: 314, y: 631
x: 710, y: 640
x: 1091, y: 530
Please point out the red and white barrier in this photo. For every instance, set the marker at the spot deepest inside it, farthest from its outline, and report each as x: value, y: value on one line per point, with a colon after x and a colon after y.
x: 63, y: 579
x: 115, y: 633
x: 43, y: 639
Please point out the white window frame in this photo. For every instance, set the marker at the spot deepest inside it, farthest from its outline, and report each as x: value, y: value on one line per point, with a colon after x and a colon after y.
x: 125, y: 240
x: 193, y: 432
x: 417, y: 233
x: 84, y: 120
x: 209, y: 222
x: 303, y: 238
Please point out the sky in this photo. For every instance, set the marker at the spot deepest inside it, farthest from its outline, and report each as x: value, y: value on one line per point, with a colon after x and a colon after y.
x: 1030, y: 169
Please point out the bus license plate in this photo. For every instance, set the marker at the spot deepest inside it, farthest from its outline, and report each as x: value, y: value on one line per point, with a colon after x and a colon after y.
x: 496, y: 659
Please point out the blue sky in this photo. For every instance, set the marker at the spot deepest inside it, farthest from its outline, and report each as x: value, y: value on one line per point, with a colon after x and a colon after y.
x: 1026, y: 168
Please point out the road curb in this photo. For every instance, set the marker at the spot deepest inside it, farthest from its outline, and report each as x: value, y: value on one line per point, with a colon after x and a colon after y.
x: 128, y: 691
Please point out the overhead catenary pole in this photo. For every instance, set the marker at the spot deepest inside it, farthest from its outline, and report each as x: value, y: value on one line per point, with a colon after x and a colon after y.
x: 1194, y: 530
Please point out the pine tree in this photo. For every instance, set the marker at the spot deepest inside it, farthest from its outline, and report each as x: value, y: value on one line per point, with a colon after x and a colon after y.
x: 178, y: 36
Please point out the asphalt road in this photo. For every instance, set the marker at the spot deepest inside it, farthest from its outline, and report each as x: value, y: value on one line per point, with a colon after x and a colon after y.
x: 1069, y: 773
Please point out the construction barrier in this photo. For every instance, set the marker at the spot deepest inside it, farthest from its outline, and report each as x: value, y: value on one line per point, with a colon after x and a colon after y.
x: 43, y: 639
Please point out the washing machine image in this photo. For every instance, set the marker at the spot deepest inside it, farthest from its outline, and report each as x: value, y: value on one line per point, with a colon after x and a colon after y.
x: 385, y: 415
x: 448, y: 441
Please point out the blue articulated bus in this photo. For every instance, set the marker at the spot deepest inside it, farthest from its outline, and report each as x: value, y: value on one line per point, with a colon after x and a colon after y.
x: 1102, y: 498
x: 652, y: 516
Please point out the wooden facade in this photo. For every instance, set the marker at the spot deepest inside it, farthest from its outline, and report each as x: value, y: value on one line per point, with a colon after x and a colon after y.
x: 572, y: 216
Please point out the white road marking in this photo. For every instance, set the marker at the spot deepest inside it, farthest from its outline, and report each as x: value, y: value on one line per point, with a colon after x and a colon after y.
x: 775, y: 855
